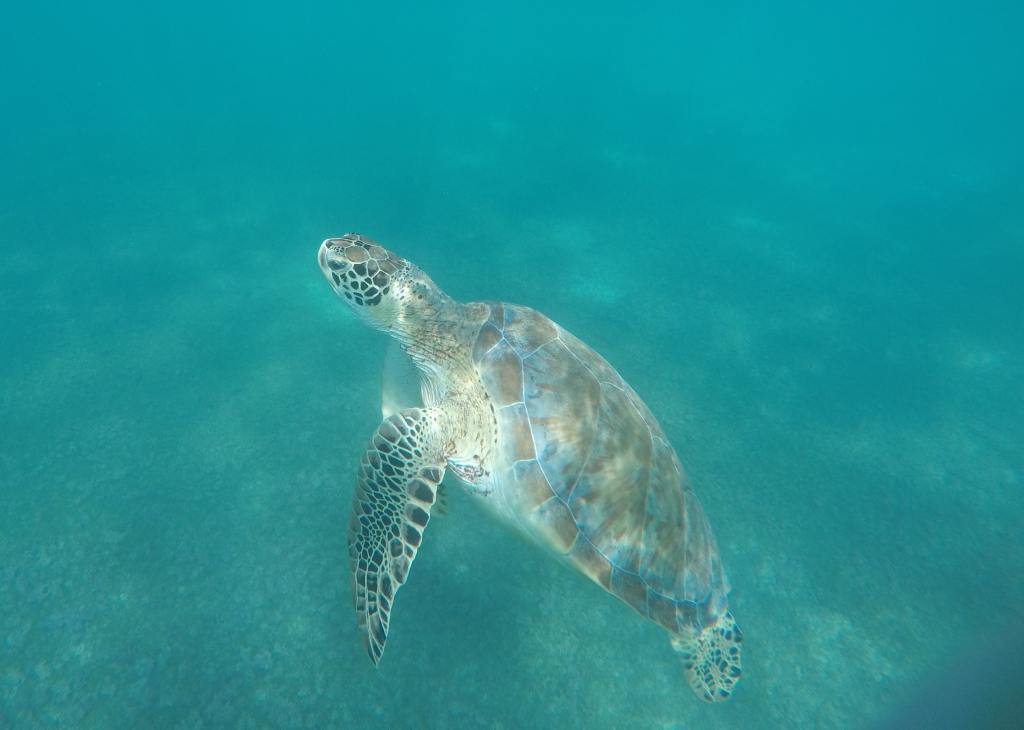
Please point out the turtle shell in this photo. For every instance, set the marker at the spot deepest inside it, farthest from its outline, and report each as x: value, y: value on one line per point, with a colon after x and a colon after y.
x: 586, y: 469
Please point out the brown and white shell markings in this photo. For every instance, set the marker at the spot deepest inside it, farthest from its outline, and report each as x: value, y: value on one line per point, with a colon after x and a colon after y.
x: 544, y: 432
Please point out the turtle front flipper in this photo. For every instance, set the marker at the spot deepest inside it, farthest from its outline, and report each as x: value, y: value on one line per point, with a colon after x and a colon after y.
x: 396, y: 487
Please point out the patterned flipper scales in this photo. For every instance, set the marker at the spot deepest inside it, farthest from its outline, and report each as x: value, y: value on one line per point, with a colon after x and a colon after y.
x: 711, y: 659
x: 395, y: 490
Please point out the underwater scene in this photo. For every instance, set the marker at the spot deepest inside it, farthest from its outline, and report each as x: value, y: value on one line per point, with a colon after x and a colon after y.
x: 795, y: 229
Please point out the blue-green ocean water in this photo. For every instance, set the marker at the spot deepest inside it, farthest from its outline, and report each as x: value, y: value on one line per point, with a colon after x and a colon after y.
x: 797, y: 230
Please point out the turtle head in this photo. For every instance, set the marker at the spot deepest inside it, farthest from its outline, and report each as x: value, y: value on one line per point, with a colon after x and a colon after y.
x: 379, y: 287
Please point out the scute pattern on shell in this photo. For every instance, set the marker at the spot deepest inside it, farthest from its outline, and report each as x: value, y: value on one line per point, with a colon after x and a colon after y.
x: 598, y: 481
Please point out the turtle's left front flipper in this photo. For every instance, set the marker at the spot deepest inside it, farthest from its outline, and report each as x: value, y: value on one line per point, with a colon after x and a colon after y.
x: 395, y: 489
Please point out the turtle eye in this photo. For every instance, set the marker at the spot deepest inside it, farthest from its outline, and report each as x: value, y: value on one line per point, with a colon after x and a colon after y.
x: 337, y: 265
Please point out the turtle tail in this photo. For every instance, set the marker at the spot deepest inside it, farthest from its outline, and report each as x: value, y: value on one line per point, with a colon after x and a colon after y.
x: 711, y: 659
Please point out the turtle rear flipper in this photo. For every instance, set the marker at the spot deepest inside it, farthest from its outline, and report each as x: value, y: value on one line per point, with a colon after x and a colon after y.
x: 711, y: 660
x: 395, y: 490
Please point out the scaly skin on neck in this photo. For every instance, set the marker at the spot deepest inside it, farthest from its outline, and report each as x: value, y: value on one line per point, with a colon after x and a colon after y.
x: 440, y: 345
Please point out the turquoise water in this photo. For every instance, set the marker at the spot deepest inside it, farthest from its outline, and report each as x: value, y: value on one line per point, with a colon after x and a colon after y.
x: 797, y: 232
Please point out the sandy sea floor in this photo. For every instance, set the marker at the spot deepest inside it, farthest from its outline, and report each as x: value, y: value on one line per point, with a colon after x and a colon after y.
x: 184, y: 405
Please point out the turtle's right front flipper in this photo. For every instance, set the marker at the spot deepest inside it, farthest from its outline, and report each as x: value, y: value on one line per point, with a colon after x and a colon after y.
x: 396, y: 487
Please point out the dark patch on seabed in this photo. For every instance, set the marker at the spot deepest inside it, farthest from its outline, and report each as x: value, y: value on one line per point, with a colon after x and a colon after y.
x: 795, y: 230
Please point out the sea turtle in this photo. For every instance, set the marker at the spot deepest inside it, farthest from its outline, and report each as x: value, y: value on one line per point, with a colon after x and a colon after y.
x: 546, y: 436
